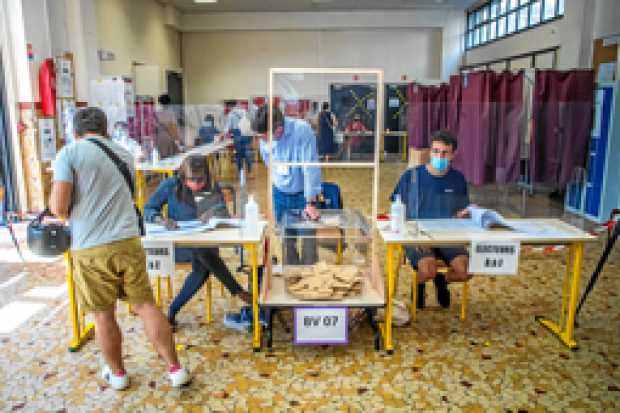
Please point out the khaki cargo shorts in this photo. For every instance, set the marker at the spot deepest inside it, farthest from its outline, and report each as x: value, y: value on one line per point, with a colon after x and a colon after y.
x: 106, y: 273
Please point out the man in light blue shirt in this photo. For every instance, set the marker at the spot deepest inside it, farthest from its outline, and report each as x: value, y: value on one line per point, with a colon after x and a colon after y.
x: 294, y: 187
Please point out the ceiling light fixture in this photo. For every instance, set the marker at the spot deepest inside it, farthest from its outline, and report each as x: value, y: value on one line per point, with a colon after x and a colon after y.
x: 205, y: 1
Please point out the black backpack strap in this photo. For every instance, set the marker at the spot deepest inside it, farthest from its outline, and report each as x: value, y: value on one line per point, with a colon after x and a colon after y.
x: 124, y: 170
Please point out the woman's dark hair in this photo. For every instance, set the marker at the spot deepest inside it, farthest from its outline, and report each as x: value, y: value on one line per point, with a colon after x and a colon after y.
x: 325, y: 106
x: 260, y: 123
x: 198, y: 166
x: 90, y: 120
x: 209, y: 118
x: 164, y: 100
x: 445, y: 137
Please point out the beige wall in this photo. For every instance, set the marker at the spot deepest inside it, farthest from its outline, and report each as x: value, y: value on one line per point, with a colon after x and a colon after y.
x: 235, y: 64
x: 135, y: 30
x: 573, y: 33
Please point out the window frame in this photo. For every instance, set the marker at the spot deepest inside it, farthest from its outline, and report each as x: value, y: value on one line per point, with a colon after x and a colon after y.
x: 473, y: 15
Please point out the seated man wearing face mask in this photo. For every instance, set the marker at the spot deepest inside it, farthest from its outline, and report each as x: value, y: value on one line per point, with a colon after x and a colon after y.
x: 435, y: 191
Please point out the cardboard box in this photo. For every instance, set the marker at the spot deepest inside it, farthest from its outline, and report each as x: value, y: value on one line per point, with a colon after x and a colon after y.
x: 419, y: 156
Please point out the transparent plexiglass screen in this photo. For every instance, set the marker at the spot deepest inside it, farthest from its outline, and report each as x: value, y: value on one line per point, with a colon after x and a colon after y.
x: 340, y: 109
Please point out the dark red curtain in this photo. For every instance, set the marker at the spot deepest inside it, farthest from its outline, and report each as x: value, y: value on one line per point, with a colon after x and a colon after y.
x: 562, y: 121
x: 509, y: 125
x: 427, y: 112
x: 475, y: 156
x: 454, y: 102
x: 486, y: 114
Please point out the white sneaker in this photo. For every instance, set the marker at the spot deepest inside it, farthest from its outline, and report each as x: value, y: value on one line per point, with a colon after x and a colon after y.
x: 116, y: 382
x: 180, y: 378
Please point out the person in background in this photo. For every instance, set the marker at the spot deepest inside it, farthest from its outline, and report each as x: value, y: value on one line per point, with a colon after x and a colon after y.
x: 434, y: 191
x: 207, y: 131
x: 294, y: 187
x: 233, y: 129
x: 327, y: 125
x: 247, y: 136
x: 106, y: 252
x: 167, y: 137
x: 355, y: 141
x: 178, y: 193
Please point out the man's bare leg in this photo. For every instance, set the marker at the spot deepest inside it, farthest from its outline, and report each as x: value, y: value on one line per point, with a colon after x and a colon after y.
x: 109, y: 338
x: 158, y: 331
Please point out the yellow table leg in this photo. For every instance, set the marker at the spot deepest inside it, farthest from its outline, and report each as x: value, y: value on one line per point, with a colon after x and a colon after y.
x: 256, y: 342
x: 564, y: 331
x: 140, y: 185
x: 464, y: 296
x: 389, y: 346
x: 414, y: 296
x: 73, y: 309
x: 169, y: 286
x: 158, y: 291
x: 404, y: 152
x: 339, y: 252
x: 209, y: 300
x: 565, y: 286
x: 80, y: 330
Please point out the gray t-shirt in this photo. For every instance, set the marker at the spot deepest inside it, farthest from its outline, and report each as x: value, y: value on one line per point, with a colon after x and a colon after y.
x: 102, y: 209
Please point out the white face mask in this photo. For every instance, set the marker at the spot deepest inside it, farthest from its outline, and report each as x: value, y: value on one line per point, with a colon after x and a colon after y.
x: 208, y: 123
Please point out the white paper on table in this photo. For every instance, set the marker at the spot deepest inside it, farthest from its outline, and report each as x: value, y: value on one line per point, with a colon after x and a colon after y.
x: 486, y: 218
x: 537, y: 229
x: 448, y: 225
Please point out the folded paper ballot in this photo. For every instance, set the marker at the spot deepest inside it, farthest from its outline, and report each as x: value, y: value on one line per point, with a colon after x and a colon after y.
x: 487, y: 218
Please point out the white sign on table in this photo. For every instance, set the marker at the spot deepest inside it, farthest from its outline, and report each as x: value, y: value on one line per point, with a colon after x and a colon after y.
x: 159, y: 258
x: 494, y: 257
x: 321, y: 326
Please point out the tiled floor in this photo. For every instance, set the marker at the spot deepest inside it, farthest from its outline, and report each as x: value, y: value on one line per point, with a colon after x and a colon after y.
x: 498, y: 359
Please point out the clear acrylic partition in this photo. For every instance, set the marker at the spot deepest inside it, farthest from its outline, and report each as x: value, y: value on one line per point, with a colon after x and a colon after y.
x: 344, y: 151
x: 347, y: 139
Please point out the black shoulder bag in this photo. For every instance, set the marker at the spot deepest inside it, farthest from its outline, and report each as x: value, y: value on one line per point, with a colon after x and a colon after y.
x: 124, y: 170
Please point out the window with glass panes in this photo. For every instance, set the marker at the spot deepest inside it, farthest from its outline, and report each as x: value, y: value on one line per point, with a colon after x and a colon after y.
x: 499, y: 18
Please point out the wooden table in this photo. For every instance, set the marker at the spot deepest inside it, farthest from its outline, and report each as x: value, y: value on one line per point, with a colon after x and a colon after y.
x: 216, y: 238
x: 447, y: 232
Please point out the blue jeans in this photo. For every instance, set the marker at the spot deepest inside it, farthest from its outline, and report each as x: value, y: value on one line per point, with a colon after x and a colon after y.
x: 282, y: 202
x: 241, y: 151
x: 204, y: 262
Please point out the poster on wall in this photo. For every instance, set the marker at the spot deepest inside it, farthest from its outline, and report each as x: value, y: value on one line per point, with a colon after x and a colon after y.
x: 64, y: 79
x: 47, y: 135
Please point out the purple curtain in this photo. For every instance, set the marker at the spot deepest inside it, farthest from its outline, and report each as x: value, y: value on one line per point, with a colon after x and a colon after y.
x: 454, y: 102
x: 488, y: 122
x: 427, y: 112
x: 562, y: 121
x: 475, y: 156
x: 510, y: 125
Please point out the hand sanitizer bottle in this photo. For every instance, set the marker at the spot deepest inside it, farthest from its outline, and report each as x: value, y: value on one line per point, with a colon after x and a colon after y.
x: 155, y: 156
x: 396, y: 215
x: 250, y: 223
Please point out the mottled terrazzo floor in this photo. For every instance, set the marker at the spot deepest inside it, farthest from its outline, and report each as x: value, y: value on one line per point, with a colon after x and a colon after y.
x: 498, y: 359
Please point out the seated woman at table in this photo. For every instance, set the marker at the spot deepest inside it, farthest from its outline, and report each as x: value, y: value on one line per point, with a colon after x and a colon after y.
x: 178, y: 193
x: 435, y: 191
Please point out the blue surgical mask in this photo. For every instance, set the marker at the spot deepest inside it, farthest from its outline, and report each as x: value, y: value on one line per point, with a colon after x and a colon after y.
x: 440, y: 164
x: 208, y: 124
